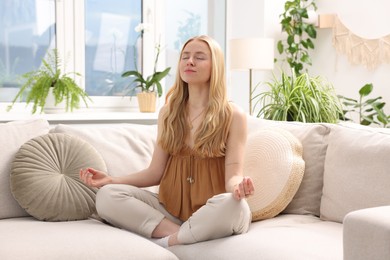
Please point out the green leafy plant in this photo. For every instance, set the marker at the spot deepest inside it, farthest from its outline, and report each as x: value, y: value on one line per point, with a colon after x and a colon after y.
x: 150, y: 83
x: 49, y: 76
x: 300, y: 34
x: 369, y: 110
x: 383, y: 118
x: 302, y: 98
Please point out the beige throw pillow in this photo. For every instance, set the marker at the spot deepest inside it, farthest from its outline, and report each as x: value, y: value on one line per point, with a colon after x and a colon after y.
x: 45, y: 177
x: 356, y: 170
x: 273, y: 158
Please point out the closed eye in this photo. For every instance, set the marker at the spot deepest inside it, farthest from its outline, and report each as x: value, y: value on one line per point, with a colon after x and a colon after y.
x: 200, y: 58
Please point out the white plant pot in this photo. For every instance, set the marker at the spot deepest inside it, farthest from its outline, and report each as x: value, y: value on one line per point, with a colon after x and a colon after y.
x: 50, y: 106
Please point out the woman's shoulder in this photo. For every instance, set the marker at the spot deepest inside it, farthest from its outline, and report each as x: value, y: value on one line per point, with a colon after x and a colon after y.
x: 237, y: 112
x: 238, y: 125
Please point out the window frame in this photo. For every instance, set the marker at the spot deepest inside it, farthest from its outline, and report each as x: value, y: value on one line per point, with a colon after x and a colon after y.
x: 75, y: 45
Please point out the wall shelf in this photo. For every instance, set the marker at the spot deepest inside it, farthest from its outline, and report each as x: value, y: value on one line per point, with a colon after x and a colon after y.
x: 326, y: 20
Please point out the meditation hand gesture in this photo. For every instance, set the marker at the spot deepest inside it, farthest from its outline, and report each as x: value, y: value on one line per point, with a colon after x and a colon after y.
x: 94, y: 178
x: 244, y: 189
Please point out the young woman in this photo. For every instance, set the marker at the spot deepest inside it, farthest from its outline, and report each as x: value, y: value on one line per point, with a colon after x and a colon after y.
x: 198, y: 161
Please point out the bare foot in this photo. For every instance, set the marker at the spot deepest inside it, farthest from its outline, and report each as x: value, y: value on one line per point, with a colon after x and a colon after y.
x: 172, y: 241
x: 165, y: 228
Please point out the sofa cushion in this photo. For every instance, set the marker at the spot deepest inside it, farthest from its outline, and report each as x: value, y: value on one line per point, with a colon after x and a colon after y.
x: 273, y: 159
x: 45, y: 177
x: 28, y: 238
x: 12, y: 136
x: 356, y: 170
x: 313, y: 136
x: 126, y: 148
x: 285, y: 237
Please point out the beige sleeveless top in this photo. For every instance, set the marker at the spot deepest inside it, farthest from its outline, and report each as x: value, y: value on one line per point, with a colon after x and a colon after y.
x: 189, y: 181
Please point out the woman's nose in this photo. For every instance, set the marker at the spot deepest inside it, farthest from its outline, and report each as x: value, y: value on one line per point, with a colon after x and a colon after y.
x: 190, y: 61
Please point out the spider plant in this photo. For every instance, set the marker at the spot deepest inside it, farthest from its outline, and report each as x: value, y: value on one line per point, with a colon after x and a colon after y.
x: 302, y: 98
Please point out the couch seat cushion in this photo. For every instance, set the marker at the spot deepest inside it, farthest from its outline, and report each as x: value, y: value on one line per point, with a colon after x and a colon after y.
x: 287, y: 236
x: 28, y: 238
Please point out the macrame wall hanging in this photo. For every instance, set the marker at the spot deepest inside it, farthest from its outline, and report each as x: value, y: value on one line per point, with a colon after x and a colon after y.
x: 367, y: 52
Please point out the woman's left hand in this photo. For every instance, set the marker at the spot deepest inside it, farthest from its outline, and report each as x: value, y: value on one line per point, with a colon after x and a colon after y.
x: 244, y: 189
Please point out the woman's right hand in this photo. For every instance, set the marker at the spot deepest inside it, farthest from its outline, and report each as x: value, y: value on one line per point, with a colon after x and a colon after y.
x: 94, y: 178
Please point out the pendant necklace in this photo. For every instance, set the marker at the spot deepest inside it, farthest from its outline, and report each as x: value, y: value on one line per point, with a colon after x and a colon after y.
x: 190, y: 179
x: 191, y: 121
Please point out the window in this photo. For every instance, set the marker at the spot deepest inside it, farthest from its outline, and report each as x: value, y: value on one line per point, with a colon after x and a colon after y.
x: 97, y: 38
x: 27, y: 32
x: 110, y: 45
x: 185, y: 19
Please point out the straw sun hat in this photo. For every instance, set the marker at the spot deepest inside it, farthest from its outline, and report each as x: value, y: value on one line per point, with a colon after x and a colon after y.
x: 273, y: 159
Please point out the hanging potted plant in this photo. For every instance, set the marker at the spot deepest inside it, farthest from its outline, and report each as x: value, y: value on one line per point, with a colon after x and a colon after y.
x: 150, y: 86
x: 300, y: 34
x: 49, y: 83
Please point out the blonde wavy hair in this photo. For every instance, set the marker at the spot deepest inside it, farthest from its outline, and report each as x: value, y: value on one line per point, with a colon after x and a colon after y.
x: 211, y: 137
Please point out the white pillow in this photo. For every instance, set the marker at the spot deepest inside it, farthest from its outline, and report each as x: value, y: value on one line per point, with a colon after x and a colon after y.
x: 12, y: 136
x: 356, y: 170
x: 273, y: 159
x: 126, y: 148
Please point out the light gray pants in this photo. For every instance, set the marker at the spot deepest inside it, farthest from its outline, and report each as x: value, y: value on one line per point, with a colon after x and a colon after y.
x: 139, y: 211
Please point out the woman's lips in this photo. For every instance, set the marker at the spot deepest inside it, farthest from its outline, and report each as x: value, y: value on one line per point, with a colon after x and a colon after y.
x: 189, y: 70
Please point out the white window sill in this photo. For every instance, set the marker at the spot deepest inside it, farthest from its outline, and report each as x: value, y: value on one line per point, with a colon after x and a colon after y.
x: 92, y: 115
x: 86, y: 117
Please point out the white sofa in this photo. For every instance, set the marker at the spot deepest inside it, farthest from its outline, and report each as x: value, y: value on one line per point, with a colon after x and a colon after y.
x: 340, y: 211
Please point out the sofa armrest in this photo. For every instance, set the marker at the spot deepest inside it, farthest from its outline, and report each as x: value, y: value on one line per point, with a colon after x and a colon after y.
x: 366, y: 234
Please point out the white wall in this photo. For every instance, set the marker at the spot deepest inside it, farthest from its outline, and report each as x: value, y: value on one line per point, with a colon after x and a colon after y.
x: 261, y: 18
x: 244, y: 19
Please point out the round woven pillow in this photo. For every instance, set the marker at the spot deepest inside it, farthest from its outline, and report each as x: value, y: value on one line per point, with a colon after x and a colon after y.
x: 45, y: 177
x: 273, y: 159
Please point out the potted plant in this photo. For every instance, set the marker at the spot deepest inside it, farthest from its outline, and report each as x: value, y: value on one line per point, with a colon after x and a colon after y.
x: 49, y: 81
x: 150, y: 86
x: 369, y: 110
x: 299, y: 98
x: 300, y: 34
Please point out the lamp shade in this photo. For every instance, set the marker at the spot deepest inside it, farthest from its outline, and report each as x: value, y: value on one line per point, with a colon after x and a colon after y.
x: 252, y: 53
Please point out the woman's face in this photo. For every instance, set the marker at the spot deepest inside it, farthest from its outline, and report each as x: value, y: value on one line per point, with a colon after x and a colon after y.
x: 195, y: 63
